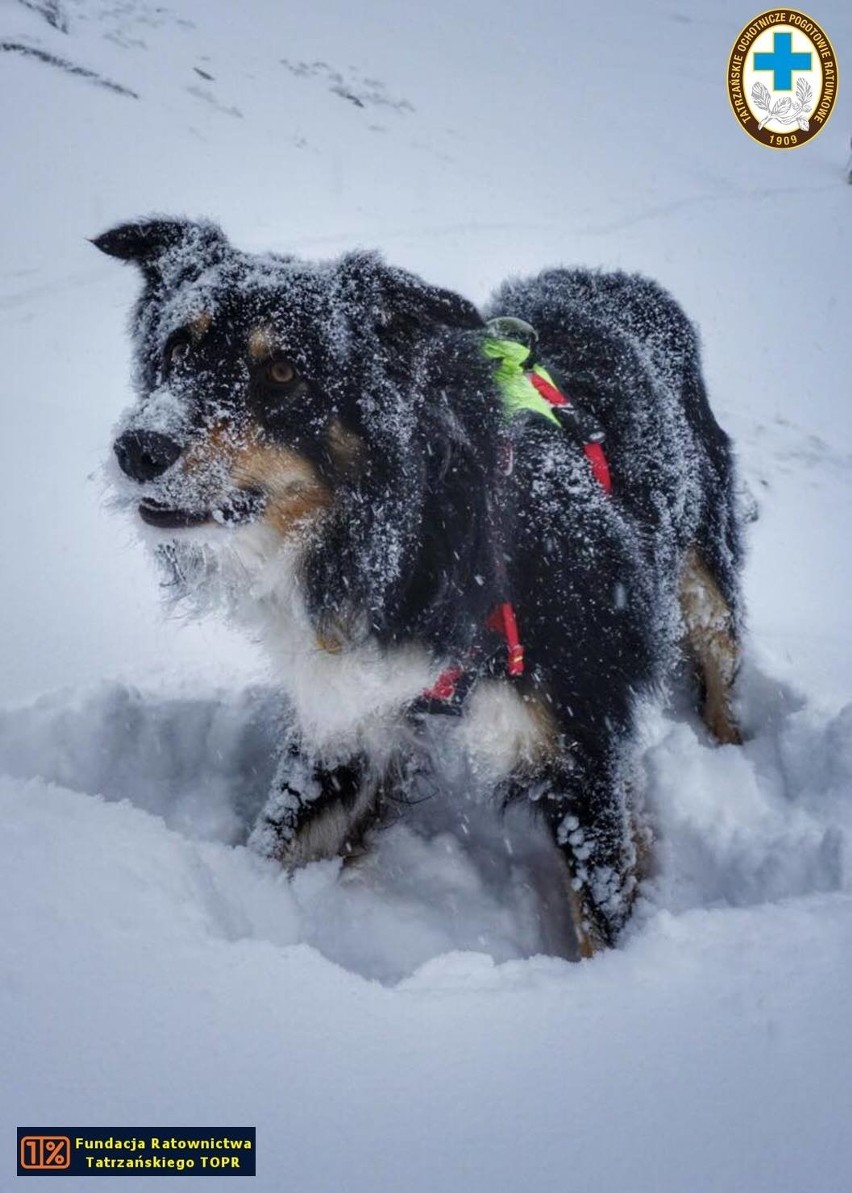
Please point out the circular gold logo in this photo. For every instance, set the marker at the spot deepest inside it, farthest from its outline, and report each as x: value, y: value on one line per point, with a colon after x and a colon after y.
x: 782, y: 78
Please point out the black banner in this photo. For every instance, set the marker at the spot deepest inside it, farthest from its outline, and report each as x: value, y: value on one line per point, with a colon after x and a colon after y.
x: 136, y: 1151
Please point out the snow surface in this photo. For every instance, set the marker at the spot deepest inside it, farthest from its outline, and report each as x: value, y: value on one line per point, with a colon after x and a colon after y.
x: 407, y: 1023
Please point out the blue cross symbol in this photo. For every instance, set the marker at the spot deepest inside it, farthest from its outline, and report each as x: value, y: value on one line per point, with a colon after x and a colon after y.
x: 782, y: 61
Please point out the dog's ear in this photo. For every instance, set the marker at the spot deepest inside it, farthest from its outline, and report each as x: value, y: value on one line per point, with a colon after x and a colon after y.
x: 148, y: 242
x: 398, y: 302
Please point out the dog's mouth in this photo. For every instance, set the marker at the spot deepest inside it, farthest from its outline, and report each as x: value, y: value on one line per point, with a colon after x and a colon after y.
x: 240, y: 507
x: 165, y: 517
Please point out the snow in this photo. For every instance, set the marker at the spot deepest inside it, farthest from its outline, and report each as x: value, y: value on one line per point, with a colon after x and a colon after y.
x: 408, y: 1021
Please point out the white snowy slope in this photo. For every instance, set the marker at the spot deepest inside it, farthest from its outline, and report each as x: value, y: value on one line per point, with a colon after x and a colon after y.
x: 405, y: 1024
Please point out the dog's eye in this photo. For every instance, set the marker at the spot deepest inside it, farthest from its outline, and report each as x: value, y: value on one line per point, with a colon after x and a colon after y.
x: 281, y: 372
x: 176, y: 352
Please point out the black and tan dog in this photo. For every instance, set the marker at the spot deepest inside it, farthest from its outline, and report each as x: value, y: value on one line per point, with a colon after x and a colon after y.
x: 325, y: 448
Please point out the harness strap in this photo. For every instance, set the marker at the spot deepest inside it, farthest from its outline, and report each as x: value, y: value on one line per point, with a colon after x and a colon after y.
x: 502, y: 621
x: 592, y: 449
x: 444, y: 687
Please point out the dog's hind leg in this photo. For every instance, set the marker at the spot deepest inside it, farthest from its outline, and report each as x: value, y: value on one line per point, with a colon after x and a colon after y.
x: 712, y: 643
x: 603, y: 882
x: 315, y: 811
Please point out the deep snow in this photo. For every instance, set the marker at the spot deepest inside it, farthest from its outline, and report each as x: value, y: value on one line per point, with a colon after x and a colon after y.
x: 396, y: 1024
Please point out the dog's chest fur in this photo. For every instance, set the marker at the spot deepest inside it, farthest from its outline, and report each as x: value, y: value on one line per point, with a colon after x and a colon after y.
x: 357, y: 698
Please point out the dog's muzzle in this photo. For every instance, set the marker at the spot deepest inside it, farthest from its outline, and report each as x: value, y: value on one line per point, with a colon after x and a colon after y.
x: 146, y: 456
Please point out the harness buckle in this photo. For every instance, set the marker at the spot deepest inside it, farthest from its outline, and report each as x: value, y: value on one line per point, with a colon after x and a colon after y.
x: 582, y: 426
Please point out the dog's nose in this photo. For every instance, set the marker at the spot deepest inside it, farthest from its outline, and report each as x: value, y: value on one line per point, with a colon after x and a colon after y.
x: 144, y: 455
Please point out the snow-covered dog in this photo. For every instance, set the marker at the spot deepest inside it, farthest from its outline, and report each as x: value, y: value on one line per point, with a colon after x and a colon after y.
x: 379, y: 484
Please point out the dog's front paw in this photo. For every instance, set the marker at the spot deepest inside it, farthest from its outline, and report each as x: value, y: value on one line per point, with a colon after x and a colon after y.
x: 277, y: 827
x: 314, y: 812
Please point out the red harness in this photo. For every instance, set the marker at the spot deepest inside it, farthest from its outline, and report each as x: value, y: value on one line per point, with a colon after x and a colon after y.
x: 447, y: 687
